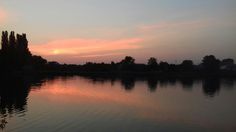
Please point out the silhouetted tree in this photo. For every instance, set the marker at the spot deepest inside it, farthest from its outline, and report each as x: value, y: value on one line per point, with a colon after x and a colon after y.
x: 4, y: 42
x: 38, y: 62
x: 128, y: 60
x: 173, y: 68
x: 12, y: 41
x: 22, y: 44
x: 14, y: 54
x: 227, y: 64
x: 187, y: 65
x: 228, y: 61
x: 210, y: 63
x: 152, y: 63
x: 127, y: 63
x: 164, y: 66
x: 112, y: 63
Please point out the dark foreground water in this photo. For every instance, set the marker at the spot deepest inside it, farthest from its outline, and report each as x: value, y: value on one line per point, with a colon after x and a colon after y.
x: 74, y: 104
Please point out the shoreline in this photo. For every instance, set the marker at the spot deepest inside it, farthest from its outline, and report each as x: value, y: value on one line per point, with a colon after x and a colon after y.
x: 113, y: 74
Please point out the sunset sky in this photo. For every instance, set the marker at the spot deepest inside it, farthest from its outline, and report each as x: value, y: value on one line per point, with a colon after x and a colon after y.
x: 77, y: 31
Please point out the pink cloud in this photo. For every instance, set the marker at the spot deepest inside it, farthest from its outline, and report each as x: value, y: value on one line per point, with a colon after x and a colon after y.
x: 3, y: 15
x: 85, y: 49
x: 84, y: 46
x: 100, y: 55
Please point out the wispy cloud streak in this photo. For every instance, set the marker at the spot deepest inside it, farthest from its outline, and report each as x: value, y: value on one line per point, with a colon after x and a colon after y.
x: 100, y: 55
x: 85, y: 46
x: 173, y: 25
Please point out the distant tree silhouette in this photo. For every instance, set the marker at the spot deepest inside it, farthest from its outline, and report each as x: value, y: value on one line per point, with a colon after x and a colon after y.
x: 16, y: 56
x: 128, y: 60
x: 173, y: 68
x: 187, y: 65
x: 210, y: 63
x: 227, y: 64
x: 112, y: 63
x: 127, y: 63
x: 152, y: 63
x: 164, y: 66
x: 228, y: 61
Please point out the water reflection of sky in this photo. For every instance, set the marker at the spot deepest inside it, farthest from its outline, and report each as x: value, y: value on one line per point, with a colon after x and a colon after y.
x: 75, y: 103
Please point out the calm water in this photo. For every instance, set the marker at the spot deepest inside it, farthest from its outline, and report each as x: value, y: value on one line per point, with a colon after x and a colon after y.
x: 72, y: 104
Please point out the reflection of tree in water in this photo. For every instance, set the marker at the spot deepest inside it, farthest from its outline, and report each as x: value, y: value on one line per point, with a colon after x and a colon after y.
x: 211, y: 86
x: 228, y: 83
x: 101, y: 79
x: 187, y: 83
x: 165, y: 82
x: 172, y: 81
x: 128, y: 83
x: 3, y: 123
x: 13, y: 96
x: 152, y: 84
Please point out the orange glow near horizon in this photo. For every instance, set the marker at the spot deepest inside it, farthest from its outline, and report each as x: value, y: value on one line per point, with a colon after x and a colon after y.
x: 77, y: 50
x: 168, y: 31
x: 3, y: 15
x: 85, y: 47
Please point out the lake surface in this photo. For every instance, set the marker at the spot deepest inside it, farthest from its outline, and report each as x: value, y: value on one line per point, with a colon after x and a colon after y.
x: 73, y: 104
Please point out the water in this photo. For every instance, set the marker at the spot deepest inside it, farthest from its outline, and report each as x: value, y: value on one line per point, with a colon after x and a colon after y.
x: 72, y: 104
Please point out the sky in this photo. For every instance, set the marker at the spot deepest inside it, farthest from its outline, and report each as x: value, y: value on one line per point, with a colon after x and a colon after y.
x: 80, y: 31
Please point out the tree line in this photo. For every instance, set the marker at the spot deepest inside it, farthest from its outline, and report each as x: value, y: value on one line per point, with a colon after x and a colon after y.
x: 16, y: 56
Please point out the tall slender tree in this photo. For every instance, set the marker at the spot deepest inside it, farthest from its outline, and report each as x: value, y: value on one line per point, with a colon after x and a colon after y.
x: 4, y: 42
x: 12, y: 41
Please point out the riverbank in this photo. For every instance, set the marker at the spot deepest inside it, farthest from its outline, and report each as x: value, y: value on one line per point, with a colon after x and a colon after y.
x: 112, y: 74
